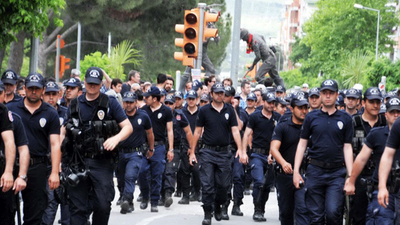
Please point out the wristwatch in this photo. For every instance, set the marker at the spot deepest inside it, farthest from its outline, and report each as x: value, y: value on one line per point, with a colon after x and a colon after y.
x: 23, y: 177
x: 151, y: 150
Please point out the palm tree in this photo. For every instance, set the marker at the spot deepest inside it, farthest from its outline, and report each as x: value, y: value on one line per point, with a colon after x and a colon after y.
x: 355, y: 66
x: 122, y: 54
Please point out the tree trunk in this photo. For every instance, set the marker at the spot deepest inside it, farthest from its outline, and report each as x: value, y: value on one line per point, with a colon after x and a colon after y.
x: 17, y: 53
x: 42, y: 57
x: 2, y: 53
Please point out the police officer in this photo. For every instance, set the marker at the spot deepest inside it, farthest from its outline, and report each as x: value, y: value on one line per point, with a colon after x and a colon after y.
x: 352, y: 100
x: 9, y: 80
x: 161, y: 119
x: 182, y: 138
x: 251, y: 103
x: 73, y: 89
x: 217, y: 120
x: 92, y: 134
x: 261, y: 125
x: 51, y: 96
x: 42, y: 127
x: 204, y: 100
x: 314, y: 99
x: 362, y: 125
x: 373, y: 147
x: 284, y: 142
x: 131, y: 150
x: 191, y: 111
x: 258, y: 44
x: 330, y: 132
x: 179, y: 99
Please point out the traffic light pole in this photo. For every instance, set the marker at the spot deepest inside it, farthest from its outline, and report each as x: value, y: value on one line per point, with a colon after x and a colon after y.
x: 202, y: 7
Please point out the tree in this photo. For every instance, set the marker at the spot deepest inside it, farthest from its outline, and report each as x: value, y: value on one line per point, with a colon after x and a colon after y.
x: 122, y: 54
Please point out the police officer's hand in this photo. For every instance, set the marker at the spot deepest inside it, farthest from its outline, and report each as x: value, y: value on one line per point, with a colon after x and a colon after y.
x: 243, y: 158
x: 192, y: 158
x: 383, y: 197
x: 111, y: 143
x: 349, y: 187
x: 19, y: 185
x: 170, y: 156
x: 54, y: 181
x: 297, y: 179
x: 149, y: 154
x: 287, y: 168
x: 270, y: 160
x: 7, y: 180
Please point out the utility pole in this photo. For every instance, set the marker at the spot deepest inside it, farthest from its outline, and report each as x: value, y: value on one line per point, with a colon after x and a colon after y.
x: 236, y: 42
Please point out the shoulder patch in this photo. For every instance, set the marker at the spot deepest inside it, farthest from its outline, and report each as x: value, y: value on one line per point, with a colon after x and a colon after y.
x: 10, y: 116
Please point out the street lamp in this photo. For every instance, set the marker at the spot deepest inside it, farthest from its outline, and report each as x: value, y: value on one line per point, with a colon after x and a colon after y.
x: 358, y: 6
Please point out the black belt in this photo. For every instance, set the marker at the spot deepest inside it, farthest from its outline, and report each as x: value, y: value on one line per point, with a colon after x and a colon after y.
x: 37, y: 160
x: 158, y: 143
x: 217, y: 148
x: 324, y: 164
x: 130, y: 150
x: 99, y: 156
x: 263, y: 151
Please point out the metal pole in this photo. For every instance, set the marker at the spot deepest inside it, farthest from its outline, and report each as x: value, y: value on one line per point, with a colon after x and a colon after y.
x: 58, y: 58
x: 109, y: 44
x: 377, y: 38
x: 236, y: 42
x: 34, y: 55
x: 178, y: 80
x: 78, y: 50
x: 202, y: 7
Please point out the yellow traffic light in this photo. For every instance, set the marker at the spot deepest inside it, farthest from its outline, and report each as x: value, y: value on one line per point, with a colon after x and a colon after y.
x: 210, y: 31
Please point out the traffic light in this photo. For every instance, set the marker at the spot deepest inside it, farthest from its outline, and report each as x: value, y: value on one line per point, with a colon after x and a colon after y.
x: 63, y: 64
x: 209, y: 26
x: 189, y: 43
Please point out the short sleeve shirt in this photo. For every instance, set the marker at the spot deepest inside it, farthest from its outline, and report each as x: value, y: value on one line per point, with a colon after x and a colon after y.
x: 179, y: 122
x: 159, y: 119
x: 191, y: 117
x: 140, y: 122
x: 376, y: 140
x: 262, y: 129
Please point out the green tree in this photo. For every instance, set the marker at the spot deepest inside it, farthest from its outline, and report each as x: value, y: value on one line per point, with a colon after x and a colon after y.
x: 94, y: 59
x: 122, y: 54
x: 355, y: 68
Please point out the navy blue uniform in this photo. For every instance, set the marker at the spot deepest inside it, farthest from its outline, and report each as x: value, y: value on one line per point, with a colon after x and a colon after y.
x: 131, y: 154
x: 215, y: 156
x: 99, y: 183
x: 291, y: 201
x: 38, y: 127
x: 156, y: 164
x: 327, y: 134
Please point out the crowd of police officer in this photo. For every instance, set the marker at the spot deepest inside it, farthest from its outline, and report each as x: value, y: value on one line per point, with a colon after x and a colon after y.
x: 321, y: 148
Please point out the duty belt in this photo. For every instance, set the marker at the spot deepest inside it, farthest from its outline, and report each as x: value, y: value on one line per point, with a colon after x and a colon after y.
x: 324, y: 164
x: 158, y: 143
x: 37, y: 160
x: 263, y: 151
x: 130, y: 150
x: 217, y: 148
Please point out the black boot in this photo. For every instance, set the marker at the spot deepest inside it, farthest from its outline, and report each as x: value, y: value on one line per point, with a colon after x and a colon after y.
x: 207, y: 215
x: 236, y: 208
x: 194, y: 196
x: 168, y: 199
x: 144, y: 204
x: 184, y: 201
x: 224, y: 212
x: 258, y: 214
x: 217, y: 212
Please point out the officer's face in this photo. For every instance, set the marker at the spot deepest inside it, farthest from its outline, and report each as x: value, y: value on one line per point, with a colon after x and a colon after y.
x: 129, y: 107
x: 351, y: 103
x: 300, y: 112
x: 170, y: 105
x: 34, y: 94
x: 278, y: 94
x: 218, y: 97
x: 250, y: 104
x: 372, y: 106
x: 392, y: 116
x: 92, y: 89
x: 202, y: 103
x: 191, y: 102
x: 328, y: 98
x: 148, y: 99
x: 51, y: 97
x: 314, y: 102
x: 228, y: 99
x: 178, y: 102
x: 259, y: 97
x: 9, y: 88
x: 269, y: 106
x: 71, y: 93
x: 281, y: 109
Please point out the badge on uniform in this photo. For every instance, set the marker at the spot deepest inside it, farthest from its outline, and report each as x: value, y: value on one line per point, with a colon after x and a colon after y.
x: 340, y: 125
x: 10, y: 117
x: 101, y: 114
x: 159, y: 115
x: 139, y: 121
x: 226, y: 116
x: 61, y: 121
x: 42, y: 122
x: 178, y: 117
x: 75, y: 122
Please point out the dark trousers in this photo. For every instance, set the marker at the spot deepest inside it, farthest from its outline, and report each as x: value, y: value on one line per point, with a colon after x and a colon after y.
x: 34, y: 195
x: 129, y: 165
x: 376, y: 214
x: 259, y: 168
x: 7, y: 207
x: 50, y: 212
x: 359, y: 203
x: 155, y: 165
x: 291, y: 201
x: 171, y: 170
x: 324, y: 196
x: 187, y: 171
x: 215, y: 176
x: 238, y: 181
x: 95, y: 193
